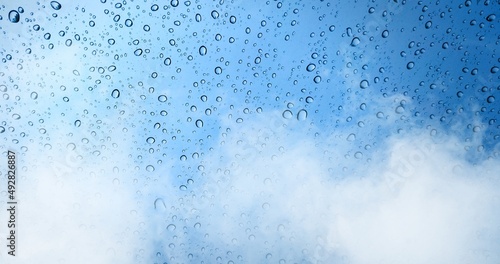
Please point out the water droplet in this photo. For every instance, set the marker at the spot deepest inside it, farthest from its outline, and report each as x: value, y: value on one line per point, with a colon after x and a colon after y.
x: 197, y: 17
x: 428, y: 24
x: 167, y: 61
x: 215, y: 14
x: 2, y: 129
x: 311, y: 67
x: 34, y: 95
x: 203, y: 50
x: 197, y: 225
x: 232, y: 19
x: 171, y: 227
x: 355, y: 41
x: 218, y: 70
x: 78, y: 123
x: 183, y: 187
x: 150, y: 140
x: 287, y: 114
x: 385, y: 33
x: 309, y: 99
x: 302, y: 115
x: 138, y: 52
x: 14, y: 16
x: 112, y: 68
x: 476, y: 129
x: 490, y: 99
x: 199, y: 123
x: 400, y: 109
x: 154, y: 7
x: 351, y: 137
x: 445, y: 45
x: 174, y: 3
x: 183, y: 158
x: 128, y: 22
x: 410, y: 65
x: 150, y: 168
x: 364, y: 84
x: 115, y: 93
x: 16, y: 116
x: 491, y: 18
x: 317, y: 79
x: 55, y: 5
x: 162, y: 98
x: 358, y: 155
x: 159, y: 204
x: 494, y: 69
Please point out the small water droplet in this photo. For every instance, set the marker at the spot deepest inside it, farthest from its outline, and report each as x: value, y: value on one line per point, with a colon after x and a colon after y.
x: 162, y: 98
x: 183, y: 187
x: 167, y: 61
x: 150, y: 140
x: 311, y: 67
x: 215, y: 14
x: 428, y: 24
x: 159, y: 204
x: 115, y: 93
x: 55, y: 5
x: 302, y: 115
x: 358, y: 155
x: 317, y: 79
x: 203, y: 50
x: 2, y: 129
x: 351, y: 137
x: 309, y: 99
x: 400, y: 109
x: 171, y: 227
x: 14, y: 16
x: 385, y: 33
x: 34, y: 95
x: 174, y: 3
x: 445, y: 45
x: 355, y: 42
x: 490, y: 99
x: 364, y: 84
x: 78, y: 123
x: 199, y: 123
x: 491, y: 18
x: 218, y: 70
x: 138, y: 52
x: 128, y: 22
x: 150, y: 168
x: 232, y: 19
x: 287, y: 114
x: 494, y: 69
x: 410, y: 65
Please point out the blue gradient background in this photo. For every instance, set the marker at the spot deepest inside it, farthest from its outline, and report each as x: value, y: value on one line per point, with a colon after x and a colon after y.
x: 282, y: 156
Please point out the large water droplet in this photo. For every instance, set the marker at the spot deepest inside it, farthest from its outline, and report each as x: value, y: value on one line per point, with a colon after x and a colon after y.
x: 55, y: 5
x: 490, y: 99
x: 14, y: 16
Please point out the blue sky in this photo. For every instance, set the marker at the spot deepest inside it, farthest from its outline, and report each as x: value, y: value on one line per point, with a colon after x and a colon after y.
x: 253, y: 132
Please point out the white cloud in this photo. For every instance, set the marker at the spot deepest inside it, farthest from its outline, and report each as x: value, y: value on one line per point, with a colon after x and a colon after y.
x: 420, y: 202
